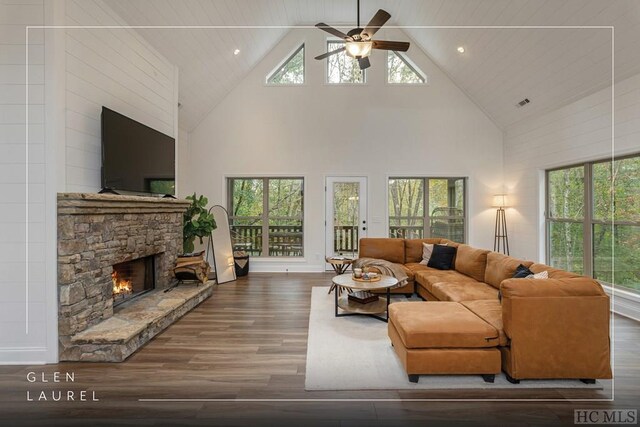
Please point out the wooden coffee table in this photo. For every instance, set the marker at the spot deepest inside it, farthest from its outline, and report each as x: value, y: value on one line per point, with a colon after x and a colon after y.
x: 345, y: 307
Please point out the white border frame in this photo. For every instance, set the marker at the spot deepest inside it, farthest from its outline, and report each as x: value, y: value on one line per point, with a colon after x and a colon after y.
x: 49, y: 159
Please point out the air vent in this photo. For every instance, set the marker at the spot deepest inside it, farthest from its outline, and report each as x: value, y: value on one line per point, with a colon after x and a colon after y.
x: 523, y: 103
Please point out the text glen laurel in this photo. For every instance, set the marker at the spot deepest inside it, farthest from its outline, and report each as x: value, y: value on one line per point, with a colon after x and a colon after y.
x: 56, y: 387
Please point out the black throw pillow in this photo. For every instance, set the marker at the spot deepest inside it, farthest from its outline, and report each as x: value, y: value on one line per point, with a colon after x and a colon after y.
x: 522, y: 272
x: 442, y: 257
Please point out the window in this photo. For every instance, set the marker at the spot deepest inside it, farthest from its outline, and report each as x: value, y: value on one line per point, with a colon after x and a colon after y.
x: 400, y: 71
x: 291, y: 72
x: 266, y: 215
x: 427, y: 207
x: 342, y: 68
x: 593, y: 220
x: 161, y: 186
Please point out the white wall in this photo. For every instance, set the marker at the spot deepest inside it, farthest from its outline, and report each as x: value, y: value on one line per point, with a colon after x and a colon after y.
x: 32, y: 340
x: 184, y: 173
x: 578, y: 132
x: 72, y: 73
x: 116, y: 68
x: 375, y: 130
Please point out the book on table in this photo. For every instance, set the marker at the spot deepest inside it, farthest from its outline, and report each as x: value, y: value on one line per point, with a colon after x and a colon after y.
x: 363, y: 297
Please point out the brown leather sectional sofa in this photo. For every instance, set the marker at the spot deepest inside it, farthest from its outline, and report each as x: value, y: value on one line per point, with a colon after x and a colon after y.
x: 543, y: 328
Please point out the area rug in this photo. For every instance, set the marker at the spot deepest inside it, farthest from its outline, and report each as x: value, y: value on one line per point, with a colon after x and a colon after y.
x: 354, y: 353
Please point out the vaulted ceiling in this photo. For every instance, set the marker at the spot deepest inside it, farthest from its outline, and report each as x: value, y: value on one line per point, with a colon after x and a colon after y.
x: 500, y: 66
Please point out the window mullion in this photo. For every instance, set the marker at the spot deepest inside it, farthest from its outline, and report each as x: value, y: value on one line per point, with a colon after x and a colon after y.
x: 427, y: 217
x: 587, y: 225
x: 265, y: 217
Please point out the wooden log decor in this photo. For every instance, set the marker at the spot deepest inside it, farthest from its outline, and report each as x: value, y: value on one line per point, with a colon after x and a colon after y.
x: 192, y: 267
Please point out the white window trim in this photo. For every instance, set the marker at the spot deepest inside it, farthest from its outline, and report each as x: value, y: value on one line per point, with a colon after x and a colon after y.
x: 287, y: 58
x: 404, y: 58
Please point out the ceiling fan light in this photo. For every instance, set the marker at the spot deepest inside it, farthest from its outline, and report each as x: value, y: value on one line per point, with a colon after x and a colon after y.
x: 359, y: 49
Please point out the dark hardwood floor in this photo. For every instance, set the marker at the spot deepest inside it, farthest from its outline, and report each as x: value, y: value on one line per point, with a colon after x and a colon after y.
x: 248, y: 341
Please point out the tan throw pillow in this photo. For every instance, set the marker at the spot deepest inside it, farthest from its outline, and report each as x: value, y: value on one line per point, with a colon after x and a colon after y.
x: 427, y: 250
x: 541, y: 275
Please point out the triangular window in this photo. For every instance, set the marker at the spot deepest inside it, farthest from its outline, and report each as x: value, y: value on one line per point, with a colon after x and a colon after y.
x: 401, y: 71
x: 342, y: 68
x: 291, y: 71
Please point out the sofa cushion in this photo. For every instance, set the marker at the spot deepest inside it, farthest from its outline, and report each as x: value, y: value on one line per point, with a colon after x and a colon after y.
x: 471, y: 261
x: 554, y: 273
x: 416, y: 267
x: 427, y: 278
x: 463, y: 291
x: 413, y: 248
x: 501, y: 267
x: 442, y: 257
x: 382, y: 248
x: 491, y: 312
x: 440, y: 325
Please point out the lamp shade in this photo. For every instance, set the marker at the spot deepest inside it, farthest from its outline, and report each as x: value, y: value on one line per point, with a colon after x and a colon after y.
x: 500, y: 201
x: 360, y: 49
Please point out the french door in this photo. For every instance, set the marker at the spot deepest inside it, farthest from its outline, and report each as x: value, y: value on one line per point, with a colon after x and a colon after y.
x: 346, y: 215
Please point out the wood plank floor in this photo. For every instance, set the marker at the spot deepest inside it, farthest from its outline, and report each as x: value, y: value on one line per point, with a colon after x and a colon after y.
x: 248, y: 341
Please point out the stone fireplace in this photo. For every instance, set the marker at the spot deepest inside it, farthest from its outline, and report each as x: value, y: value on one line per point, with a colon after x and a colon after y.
x: 111, y: 249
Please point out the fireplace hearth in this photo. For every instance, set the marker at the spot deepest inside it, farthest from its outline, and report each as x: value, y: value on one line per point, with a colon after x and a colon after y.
x: 132, y: 278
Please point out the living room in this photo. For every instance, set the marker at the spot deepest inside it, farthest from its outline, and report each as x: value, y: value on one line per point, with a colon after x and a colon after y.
x: 536, y: 103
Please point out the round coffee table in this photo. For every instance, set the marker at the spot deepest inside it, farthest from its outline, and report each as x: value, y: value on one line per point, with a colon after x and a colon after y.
x: 372, y: 309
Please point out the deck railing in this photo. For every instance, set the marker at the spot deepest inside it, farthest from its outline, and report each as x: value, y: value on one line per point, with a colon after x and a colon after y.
x: 284, y: 240
x: 287, y: 240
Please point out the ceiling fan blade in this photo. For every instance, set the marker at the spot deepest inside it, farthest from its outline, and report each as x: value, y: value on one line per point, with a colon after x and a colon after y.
x: 364, y: 63
x: 332, y: 31
x: 328, y: 54
x: 390, y: 45
x: 378, y: 20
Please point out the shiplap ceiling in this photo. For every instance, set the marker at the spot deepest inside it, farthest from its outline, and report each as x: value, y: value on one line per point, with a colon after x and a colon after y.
x: 500, y: 67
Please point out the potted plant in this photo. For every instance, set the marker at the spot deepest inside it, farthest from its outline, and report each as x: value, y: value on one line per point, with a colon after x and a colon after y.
x: 198, y: 222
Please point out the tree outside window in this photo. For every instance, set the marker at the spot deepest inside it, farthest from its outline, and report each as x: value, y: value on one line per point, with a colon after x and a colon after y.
x: 593, y: 220
x: 266, y: 215
x: 445, y: 213
x: 342, y: 68
x: 291, y: 72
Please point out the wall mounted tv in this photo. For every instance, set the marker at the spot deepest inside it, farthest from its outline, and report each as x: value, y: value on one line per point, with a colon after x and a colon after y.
x: 135, y: 157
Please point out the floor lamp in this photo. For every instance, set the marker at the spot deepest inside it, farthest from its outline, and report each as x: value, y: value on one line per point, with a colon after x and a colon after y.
x: 501, y: 239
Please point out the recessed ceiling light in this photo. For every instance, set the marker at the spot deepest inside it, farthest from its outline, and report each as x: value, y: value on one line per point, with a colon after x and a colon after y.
x: 236, y: 52
x: 460, y: 49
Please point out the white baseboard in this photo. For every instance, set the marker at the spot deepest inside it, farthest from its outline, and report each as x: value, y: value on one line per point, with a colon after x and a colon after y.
x: 624, y: 303
x: 26, y: 356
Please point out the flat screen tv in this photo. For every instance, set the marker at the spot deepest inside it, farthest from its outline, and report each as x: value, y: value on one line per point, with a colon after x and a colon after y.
x: 135, y: 157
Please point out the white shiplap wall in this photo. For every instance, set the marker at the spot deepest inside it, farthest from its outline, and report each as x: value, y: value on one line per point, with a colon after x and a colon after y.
x: 38, y: 343
x: 577, y: 132
x: 116, y: 68
x: 72, y: 73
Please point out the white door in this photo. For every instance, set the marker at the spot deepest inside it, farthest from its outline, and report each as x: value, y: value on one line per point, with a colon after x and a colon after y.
x: 346, y: 215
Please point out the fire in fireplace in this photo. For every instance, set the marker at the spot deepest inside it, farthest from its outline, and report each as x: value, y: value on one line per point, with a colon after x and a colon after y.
x: 132, y: 278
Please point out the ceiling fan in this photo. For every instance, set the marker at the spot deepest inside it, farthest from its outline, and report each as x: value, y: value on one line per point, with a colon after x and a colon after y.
x: 358, y: 42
